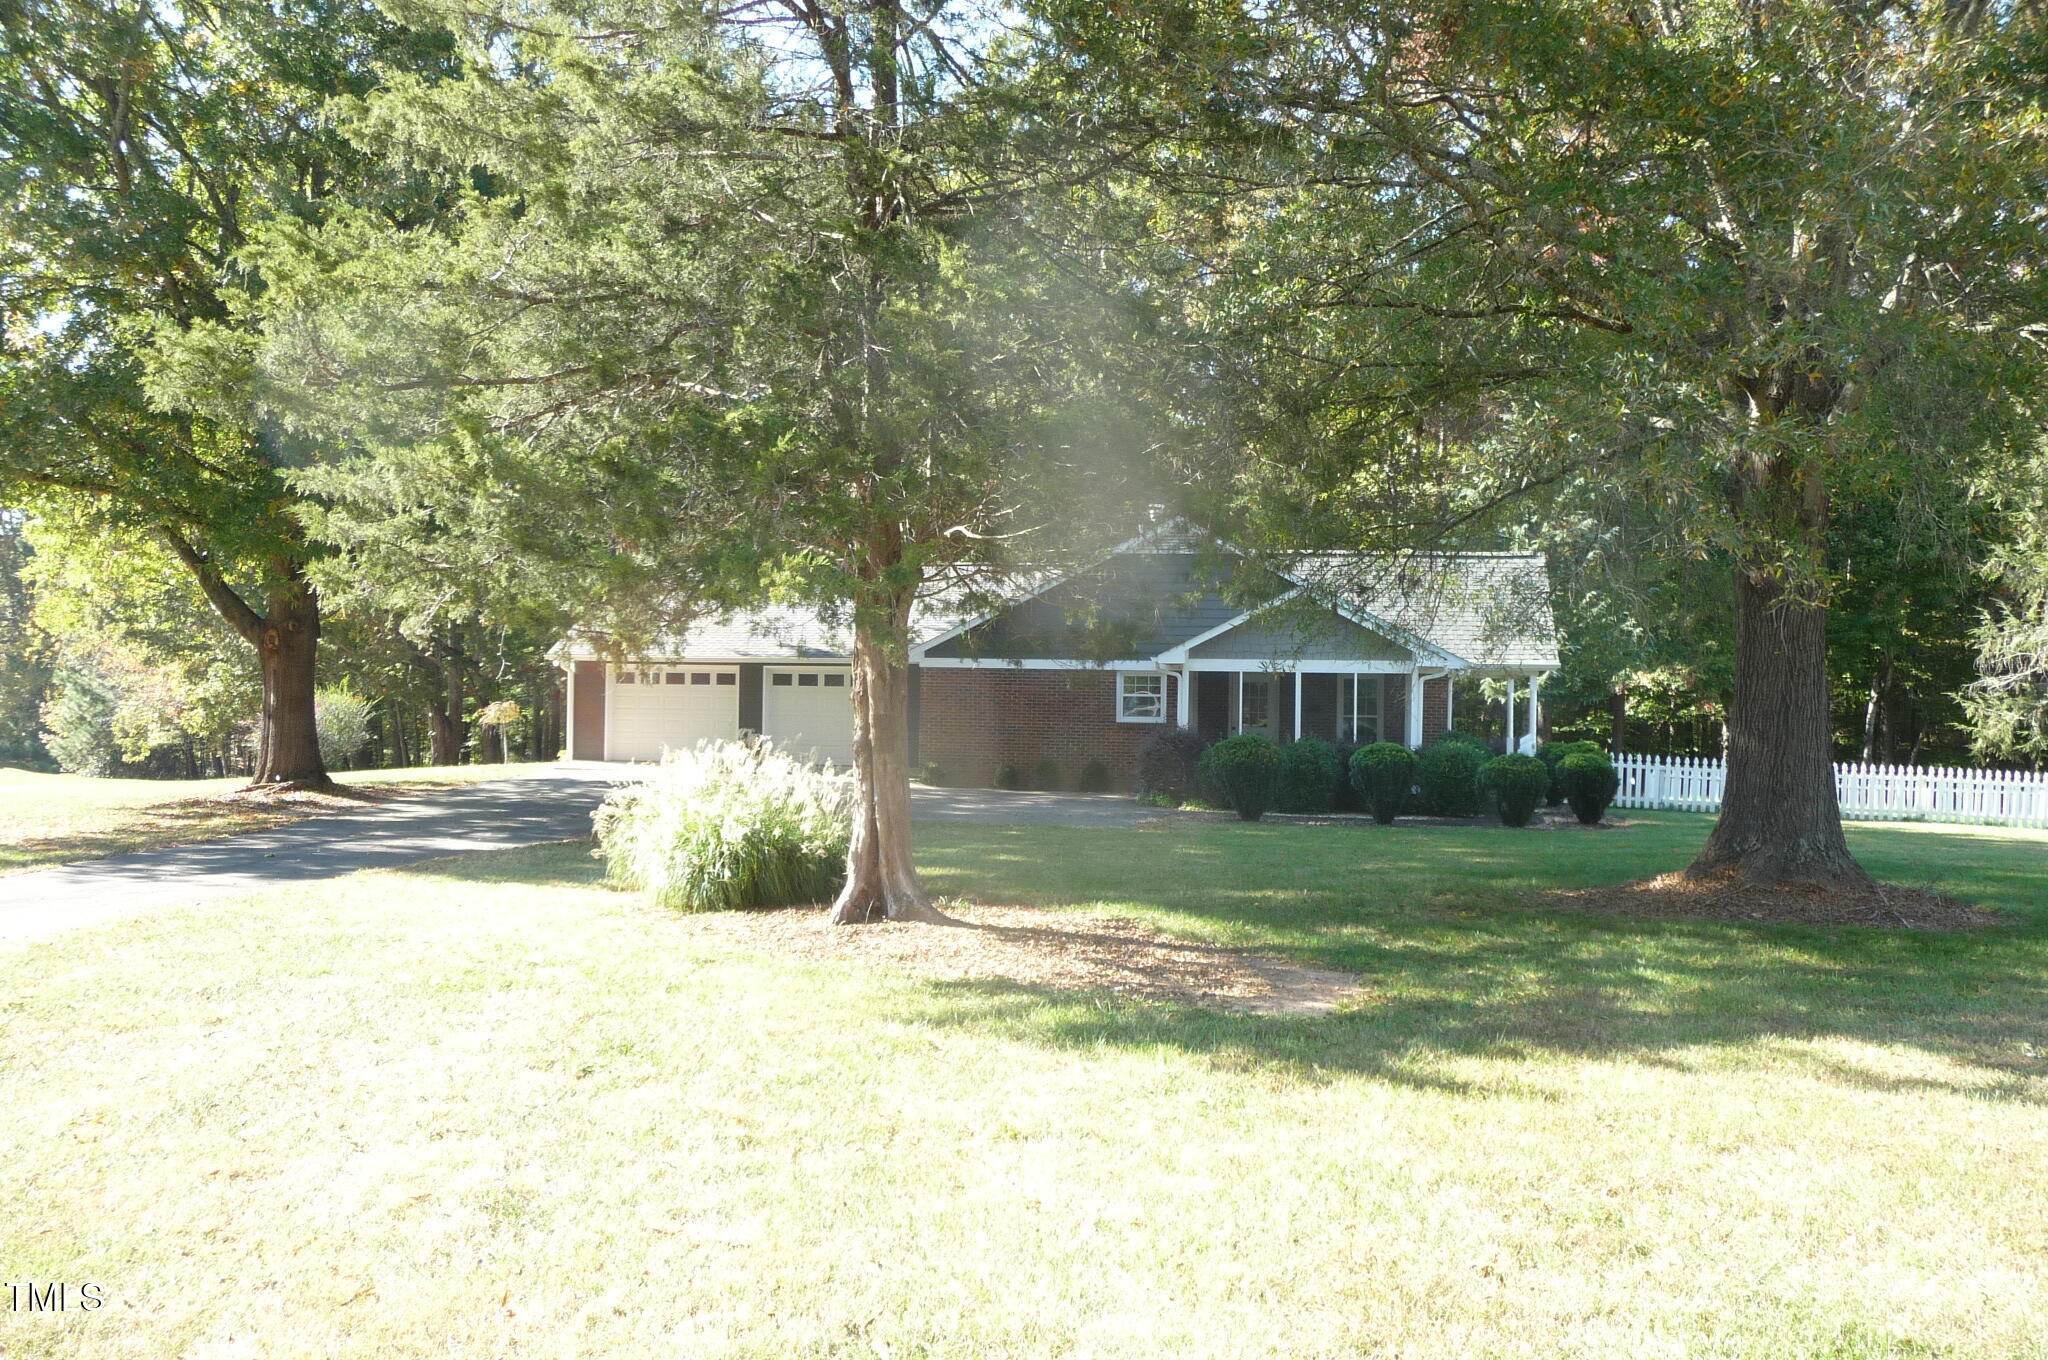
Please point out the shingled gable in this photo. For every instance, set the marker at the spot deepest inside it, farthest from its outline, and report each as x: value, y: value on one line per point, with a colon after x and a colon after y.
x: 1157, y: 600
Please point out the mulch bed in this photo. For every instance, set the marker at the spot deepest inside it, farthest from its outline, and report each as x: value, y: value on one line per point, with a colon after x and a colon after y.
x: 1064, y: 951
x: 1887, y: 905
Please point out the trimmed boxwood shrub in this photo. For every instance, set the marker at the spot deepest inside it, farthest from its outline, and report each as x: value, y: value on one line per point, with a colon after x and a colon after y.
x: 930, y: 773
x: 1009, y: 775
x: 1383, y: 774
x: 1514, y: 786
x: 1454, y: 735
x: 1345, y: 799
x: 1046, y: 775
x: 1552, y: 752
x: 1448, y: 776
x: 1167, y: 763
x: 1094, y: 777
x: 1309, y: 775
x: 1590, y: 783
x: 1245, y: 773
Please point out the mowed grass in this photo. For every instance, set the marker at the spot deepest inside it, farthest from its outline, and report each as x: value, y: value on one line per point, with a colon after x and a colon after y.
x: 485, y: 1108
x: 55, y: 818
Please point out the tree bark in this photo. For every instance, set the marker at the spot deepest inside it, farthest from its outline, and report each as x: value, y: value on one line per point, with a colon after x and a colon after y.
x: 881, y: 876
x: 1780, y: 821
x: 1617, y: 719
x: 286, y: 652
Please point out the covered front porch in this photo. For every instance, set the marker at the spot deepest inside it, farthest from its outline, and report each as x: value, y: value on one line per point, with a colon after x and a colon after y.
x: 1346, y: 703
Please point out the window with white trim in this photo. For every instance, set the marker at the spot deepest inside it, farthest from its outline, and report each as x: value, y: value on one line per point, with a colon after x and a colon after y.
x: 1360, y: 702
x: 1140, y: 697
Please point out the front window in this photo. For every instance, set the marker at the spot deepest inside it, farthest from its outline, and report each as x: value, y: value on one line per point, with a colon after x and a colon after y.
x: 1358, y: 715
x: 1140, y: 698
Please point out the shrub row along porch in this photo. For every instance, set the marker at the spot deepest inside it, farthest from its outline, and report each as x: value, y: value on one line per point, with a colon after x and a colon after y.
x: 1172, y: 627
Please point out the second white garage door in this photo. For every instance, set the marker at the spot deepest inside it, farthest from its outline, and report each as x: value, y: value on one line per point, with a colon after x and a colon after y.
x: 805, y: 709
x: 671, y: 708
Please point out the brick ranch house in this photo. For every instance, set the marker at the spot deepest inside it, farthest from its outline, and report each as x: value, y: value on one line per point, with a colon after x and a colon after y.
x: 1086, y: 665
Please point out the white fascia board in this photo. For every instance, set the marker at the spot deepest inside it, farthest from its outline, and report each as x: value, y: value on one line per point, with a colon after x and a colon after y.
x: 1267, y: 663
x: 990, y: 663
x: 917, y: 652
x: 1425, y: 652
x: 1177, y: 654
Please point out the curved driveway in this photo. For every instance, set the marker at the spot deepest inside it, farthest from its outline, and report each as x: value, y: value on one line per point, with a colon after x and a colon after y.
x: 552, y: 805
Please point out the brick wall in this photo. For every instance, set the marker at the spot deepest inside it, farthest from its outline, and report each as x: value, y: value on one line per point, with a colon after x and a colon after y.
x: 971, y: 721
x: 1436, y: 708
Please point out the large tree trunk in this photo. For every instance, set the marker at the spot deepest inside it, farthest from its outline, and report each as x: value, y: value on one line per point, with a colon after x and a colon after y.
x: 286, y: 649
x: 1779, y: 820
x: 1617, y: 720
x: 881, y: 878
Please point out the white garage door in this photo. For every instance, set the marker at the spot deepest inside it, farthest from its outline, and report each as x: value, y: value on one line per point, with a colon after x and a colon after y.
x: 659, y: 708
x: 808, y: 709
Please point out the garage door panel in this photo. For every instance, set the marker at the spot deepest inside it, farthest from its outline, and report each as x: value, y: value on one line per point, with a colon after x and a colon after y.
x: 806, y: 710
x: 673, y: 709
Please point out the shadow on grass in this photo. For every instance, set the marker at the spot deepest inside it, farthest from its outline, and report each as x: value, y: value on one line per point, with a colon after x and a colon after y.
x: 1456, y: 959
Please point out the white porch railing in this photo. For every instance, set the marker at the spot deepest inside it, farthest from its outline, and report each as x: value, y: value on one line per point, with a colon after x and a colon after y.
x: 1875, y: 793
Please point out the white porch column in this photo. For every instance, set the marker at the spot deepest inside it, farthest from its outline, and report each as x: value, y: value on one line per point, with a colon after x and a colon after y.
x: 1509, y: 709
x: 1184, y: 699
x: 1535, y: 713
x: 1415, y: 707
x: 1297, y: 705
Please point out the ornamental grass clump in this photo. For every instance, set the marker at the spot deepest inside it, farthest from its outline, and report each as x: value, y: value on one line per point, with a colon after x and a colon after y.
x: 1245, y: 773
x: 729, y: 824
x: 1514, y: 787
x: 1383, y: 774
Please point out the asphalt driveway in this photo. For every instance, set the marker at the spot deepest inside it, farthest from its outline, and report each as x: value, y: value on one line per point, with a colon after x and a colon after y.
x: 551, y: 805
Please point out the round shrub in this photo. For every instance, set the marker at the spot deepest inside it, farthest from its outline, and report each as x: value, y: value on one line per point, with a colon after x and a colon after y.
x: 1454, y: 735
x: 1046, y: 775
x: 1514, y: 786
x: 1590, y: 783
x: 1167, y: 763
x: 1553, y: 752
x: 729, y: 824
x: 1309, y: 775
x: 1448, y: 776
x: 1009, y: 775
x: 930, y: 773
x: 1345, y: 798
x: 1094, y: 777
x: 1245, y: 772
x: 1383, y: 774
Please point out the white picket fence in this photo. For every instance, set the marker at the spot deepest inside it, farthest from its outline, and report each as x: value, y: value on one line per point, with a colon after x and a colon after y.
x: 1875, y: 793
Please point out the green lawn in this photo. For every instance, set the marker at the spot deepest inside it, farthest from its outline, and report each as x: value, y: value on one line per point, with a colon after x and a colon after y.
x: 55, y: 818
x: 484, y: 1109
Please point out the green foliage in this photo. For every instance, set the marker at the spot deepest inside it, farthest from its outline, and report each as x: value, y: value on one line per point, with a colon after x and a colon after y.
x: 1447, y: 775
x: 728, y: 824
x: 1159, y: 800
x: 1009, y: 775
x: 1309, y: 776
x: 1514, y: 786
x: 1168, y: 761
x: 1383, y: 775
x: 1245, y: 772
x: 1551, y: 753
x: 1590, y: 782
x: 1453, y: 735
x: 1046, y: 775
x: 1094, y: 777
x: 78, y: 720
x: 343, y: 721
x: 929, y: 773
